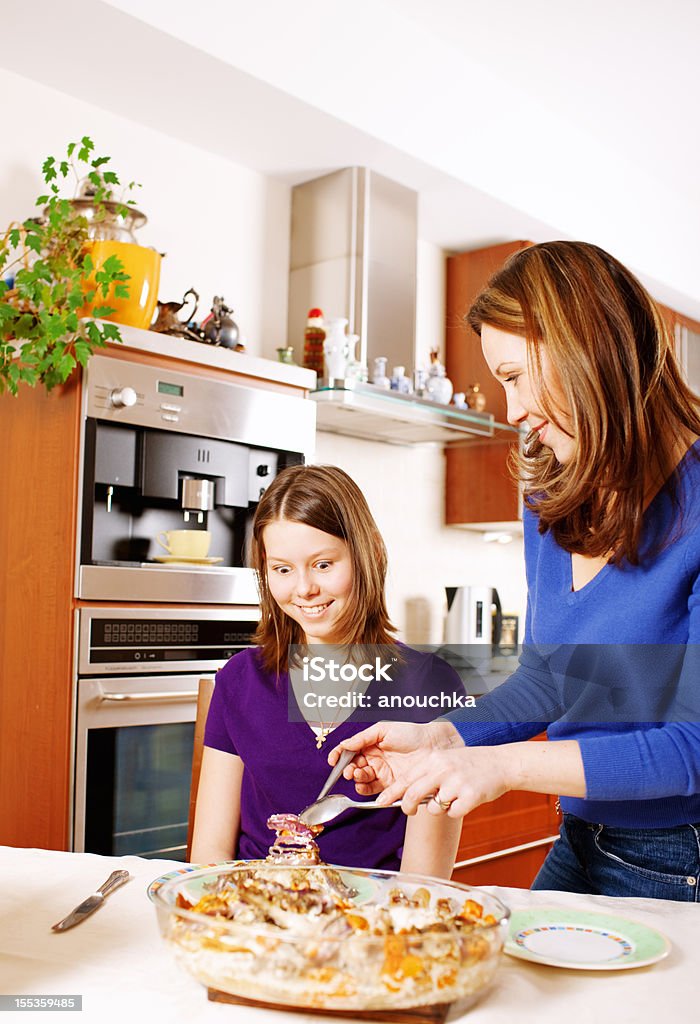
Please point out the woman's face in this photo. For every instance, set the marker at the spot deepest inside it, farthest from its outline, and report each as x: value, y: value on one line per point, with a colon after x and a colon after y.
x: 506, y: 355
x: 310, y: 576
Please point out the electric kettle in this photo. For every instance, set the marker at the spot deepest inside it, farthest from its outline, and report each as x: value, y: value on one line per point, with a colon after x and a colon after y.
x: 473, y: 615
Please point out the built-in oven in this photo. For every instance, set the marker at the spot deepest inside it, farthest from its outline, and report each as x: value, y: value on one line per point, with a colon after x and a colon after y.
x: 162, y: 450
x: 136, y: 690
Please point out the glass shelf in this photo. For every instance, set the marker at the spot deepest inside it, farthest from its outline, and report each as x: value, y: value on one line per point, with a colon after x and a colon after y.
x: 362, y: 410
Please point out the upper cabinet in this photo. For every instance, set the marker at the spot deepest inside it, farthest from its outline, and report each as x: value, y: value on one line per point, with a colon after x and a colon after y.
x: 480, y: 492
x: 686, y: 334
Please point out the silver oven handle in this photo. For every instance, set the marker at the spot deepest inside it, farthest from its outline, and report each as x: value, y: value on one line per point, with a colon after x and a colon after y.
x: 150, y: 698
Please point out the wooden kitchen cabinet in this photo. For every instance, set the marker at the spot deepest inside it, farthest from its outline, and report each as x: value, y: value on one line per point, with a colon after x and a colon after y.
x: 479, y: 489
x: 686, y: 334
x: 467, y: 273
x: 38, y: 511
x: 505, y: 842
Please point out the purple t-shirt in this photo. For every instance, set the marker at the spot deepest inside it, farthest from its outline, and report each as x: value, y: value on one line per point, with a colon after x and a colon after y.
x: 284, y: 770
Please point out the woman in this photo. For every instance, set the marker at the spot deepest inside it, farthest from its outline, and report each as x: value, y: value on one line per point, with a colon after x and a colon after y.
x: 321, y: 566
x: 611, y: 472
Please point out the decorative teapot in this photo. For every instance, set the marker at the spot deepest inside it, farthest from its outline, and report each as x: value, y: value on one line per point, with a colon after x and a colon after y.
x: 219, y: 328
x: 438, y: 387
x: 110, y: 220
x: 167, y: 321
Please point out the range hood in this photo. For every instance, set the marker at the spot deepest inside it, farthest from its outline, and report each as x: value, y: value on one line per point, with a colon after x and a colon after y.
x: 354, y: 244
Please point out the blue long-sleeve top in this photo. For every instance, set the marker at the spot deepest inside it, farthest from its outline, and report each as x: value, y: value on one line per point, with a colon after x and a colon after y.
x: 615, y: 666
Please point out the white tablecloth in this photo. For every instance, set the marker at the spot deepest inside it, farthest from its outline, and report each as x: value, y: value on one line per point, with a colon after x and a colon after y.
x: 116, y: 959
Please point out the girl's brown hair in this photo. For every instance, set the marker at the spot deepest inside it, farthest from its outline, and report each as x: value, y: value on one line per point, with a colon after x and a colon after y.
x: 328, y: 499
x: 613, y: 358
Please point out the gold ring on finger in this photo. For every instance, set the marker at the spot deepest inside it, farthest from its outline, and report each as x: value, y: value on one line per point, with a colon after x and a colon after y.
x: 444, y: 805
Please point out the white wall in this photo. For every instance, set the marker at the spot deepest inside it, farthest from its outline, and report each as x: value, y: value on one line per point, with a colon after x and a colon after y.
x: 224, y: 228
x: 405, y: 490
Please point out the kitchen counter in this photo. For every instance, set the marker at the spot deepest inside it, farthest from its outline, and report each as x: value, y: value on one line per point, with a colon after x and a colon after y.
x: 480, y: 669
x: 117, y: 961
x: 215, y: 356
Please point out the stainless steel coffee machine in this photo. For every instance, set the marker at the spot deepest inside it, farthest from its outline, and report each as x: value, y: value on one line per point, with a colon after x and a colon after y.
x: 165, y: 450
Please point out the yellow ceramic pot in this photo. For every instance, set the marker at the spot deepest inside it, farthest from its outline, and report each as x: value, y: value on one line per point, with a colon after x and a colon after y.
x: 143, y: 266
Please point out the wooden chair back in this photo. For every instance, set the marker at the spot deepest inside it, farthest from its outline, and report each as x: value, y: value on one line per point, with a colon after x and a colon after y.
x: 205, y: 691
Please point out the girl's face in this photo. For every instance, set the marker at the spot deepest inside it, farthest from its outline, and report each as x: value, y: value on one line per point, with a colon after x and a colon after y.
x: 310, y: 576
x: 506, y: 355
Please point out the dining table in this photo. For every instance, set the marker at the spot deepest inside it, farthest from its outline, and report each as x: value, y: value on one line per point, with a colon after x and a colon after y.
x: 117, y: 963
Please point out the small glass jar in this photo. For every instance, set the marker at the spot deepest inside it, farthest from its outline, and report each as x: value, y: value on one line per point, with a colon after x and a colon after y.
x: 286, y: 355
x: 420, y: 379
x: 476, y: 399
x: 400, y: 382
x: 379, y: 377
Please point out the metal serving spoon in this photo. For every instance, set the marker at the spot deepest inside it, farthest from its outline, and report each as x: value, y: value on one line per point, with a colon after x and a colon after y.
x: 340, y: 766
x: 329, y: 807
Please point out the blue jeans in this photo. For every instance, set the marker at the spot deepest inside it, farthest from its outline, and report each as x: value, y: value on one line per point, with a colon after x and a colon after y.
x: 663, y: 863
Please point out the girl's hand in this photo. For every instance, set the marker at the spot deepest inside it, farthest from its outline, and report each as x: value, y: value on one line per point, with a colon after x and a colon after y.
x: 386, y: 751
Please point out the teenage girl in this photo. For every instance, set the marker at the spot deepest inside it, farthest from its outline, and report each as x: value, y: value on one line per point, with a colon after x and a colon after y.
x: 321, y: 565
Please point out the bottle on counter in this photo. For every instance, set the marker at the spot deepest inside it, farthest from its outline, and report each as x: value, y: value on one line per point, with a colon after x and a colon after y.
x: 286, y: 355
x: 335, y: 347
x: 420, y: 379
x: 438, y: 387
x: 314, y: 337
x: 379, y: 377
x: 400, y: 382
x: 476, y: 399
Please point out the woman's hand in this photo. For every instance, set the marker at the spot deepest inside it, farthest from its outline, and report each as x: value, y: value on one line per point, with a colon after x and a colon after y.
x: 458, y: 780
x: 388, y: 750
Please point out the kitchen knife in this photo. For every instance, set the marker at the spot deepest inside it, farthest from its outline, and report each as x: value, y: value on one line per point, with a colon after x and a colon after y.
x: 94, y: 901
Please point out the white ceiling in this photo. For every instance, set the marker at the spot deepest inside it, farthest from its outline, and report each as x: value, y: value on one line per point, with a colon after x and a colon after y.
x: 511, y: 118
x: 625, y: 70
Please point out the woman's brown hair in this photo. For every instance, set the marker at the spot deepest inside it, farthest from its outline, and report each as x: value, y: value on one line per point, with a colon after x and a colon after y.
x: 613, y: 357
x: 328, y: 499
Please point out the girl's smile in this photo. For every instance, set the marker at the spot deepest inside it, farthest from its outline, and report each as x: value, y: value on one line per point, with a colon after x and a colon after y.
x: 309, y: 574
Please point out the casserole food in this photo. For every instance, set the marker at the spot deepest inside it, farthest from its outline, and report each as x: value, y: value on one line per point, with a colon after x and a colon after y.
x: 313, y: 935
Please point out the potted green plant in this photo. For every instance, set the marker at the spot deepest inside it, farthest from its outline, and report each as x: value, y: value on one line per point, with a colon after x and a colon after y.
x: 52, y: 294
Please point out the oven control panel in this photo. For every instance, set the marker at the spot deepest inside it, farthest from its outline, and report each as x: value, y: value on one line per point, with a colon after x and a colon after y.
x: 119, y: 391
x: 123, y: 640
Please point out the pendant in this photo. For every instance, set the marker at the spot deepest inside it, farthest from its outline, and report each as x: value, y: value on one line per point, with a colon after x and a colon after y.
x: 320, y: 740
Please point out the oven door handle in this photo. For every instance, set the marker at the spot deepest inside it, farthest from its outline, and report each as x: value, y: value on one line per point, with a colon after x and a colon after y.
x: 150, y: 698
